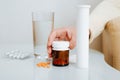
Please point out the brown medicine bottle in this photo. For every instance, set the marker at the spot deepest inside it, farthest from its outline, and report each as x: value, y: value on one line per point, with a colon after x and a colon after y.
x: 60, y: 53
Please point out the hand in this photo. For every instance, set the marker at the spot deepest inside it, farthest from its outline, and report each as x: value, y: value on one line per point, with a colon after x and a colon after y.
x: 66, y: 33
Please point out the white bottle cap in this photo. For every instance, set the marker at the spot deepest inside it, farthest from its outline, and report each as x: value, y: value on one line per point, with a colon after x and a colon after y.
x: 60, y: 45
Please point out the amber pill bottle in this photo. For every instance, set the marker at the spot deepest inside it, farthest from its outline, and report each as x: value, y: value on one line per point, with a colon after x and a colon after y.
x: 60, y: 53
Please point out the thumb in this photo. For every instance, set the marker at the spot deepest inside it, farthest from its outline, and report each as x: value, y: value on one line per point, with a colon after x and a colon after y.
x: 72, y: 39
x: 68, y: 35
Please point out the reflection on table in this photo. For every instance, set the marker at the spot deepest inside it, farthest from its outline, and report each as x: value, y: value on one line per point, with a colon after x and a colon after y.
x: 26, y: 69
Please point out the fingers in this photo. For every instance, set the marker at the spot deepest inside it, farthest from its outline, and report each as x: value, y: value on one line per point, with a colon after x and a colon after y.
x: 72, y: 42
x: 72, y: 38
x: 51, y: 38
x: 69, y: 35
x: 58, y: 34
x: 49, y: 49
x: 61, y: 34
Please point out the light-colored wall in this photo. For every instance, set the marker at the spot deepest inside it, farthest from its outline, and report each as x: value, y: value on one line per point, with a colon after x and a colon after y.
x: 16, y: 21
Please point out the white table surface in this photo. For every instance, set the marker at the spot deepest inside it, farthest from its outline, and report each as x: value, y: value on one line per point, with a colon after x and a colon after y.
x: 26, y: 69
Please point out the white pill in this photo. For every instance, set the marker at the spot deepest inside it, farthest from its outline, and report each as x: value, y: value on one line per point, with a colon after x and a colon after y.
x: 10, y: 55
x: 18, y: 56
x: 14, y: 56
x: 22, y: 56
x: 12, y: 51
x: 7, y: 53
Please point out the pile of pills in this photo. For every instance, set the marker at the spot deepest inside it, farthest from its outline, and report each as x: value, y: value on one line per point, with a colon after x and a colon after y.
x: 17, y: 54
x: 43, y: 64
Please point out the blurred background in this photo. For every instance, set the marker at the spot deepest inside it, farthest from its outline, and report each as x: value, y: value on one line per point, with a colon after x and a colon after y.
x: 16, y: 18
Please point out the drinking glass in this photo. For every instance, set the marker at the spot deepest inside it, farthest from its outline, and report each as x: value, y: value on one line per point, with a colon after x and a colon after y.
x: 43, y: 24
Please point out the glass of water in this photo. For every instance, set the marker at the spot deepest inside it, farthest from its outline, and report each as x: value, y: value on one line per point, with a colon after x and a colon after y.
x: 43, y: 24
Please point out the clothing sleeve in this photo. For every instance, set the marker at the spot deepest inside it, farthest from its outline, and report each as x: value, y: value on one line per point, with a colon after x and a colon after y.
x: 104, y: 12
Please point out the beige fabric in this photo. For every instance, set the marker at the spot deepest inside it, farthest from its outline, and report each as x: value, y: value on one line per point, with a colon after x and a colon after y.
x: 104, y: 12
x: 115, y: 2
x: 97, y: 44
x: 111, y: 43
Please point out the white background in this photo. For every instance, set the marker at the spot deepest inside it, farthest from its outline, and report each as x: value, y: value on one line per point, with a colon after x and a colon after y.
x: 16, y: 19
